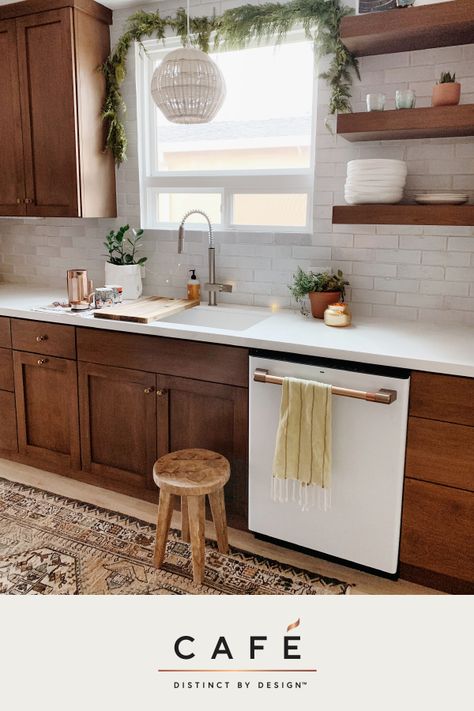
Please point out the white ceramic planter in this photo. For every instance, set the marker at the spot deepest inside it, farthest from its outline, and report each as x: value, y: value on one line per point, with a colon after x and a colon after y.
x: 129, y: 276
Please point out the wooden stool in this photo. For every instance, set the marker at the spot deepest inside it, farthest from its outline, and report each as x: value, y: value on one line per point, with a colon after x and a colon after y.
x: 191, y: 474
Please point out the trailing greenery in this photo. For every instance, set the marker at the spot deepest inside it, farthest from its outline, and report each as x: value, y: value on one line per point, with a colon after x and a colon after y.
x: 122, y: 247
x: 320, y: 20
x: 306, y: 282
x: 447, y: 78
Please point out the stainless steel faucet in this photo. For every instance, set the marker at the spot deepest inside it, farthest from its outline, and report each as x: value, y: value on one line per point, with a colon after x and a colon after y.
x: 211, y: 286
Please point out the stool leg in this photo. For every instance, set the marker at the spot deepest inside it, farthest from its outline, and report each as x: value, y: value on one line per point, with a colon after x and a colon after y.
x: 220, y: 522
x: 184, y: 519
x: 165, y: 510
x: 196, y: 510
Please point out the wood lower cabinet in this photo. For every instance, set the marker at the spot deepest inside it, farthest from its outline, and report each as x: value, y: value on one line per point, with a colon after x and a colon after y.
x: 47, y: 411
x: 8, y: 438
x: 192, y: 413
x: 118, y: 424
x: 437, y: 537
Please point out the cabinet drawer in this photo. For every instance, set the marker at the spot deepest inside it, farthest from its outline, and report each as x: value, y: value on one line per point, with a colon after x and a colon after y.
x: 5, y: 338
x: 8, y: 438
x: 437, y: 529
x: 45, y: 338
x: 168, y: 356
x: 440, y: 452
x: 6, y: 369
x: 447, y: 398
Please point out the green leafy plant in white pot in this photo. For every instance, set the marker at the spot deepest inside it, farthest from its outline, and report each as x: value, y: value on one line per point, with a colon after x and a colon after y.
x: 123, y: 266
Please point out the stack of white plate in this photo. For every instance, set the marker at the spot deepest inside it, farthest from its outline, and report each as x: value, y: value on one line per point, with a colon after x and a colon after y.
x: 376, y: 180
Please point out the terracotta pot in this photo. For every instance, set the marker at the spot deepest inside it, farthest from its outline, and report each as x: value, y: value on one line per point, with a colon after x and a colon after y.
x: 320, y: 300
x: 446, y: 94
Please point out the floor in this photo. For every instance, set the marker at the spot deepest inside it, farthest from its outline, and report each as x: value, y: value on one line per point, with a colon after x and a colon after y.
x: 364, y: 582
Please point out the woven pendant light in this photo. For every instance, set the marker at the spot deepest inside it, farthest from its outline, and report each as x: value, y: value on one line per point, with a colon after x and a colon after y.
x: 188, y: 86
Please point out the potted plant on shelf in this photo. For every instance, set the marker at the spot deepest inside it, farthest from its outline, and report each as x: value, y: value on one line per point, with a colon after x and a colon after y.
x: 123, y: 267
x: 447, y: 91
x: 322, y: 288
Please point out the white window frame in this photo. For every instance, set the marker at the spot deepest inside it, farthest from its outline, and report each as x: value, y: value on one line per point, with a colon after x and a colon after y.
x: 227, y: 183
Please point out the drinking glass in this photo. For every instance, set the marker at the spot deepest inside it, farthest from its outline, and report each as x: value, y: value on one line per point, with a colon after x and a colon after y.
x: 405, y: 99
x: 375, y: 102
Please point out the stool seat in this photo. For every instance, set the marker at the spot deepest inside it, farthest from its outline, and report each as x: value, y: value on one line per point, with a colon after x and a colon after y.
x: 191, y: 472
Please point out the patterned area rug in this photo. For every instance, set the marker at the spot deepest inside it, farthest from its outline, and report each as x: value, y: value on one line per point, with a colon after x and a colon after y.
x: 53, y: 545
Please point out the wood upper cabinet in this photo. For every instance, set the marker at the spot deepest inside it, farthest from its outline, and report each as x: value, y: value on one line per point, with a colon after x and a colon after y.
x: 51, y: 136
x: 193, y: 413
x: 118, y: 423
x: 12, y: 179
x: 47, y: 411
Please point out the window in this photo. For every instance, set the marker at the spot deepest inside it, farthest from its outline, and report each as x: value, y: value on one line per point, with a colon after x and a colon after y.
x: 250, y: 168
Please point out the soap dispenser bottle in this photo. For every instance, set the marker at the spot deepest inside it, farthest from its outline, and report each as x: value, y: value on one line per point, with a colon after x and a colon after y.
x: 194, y: 287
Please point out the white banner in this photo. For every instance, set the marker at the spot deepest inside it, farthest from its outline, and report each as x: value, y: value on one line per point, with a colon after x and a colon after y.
x: 333, y: 652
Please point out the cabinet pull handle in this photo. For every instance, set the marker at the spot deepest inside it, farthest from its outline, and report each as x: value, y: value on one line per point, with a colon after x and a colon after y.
x: 40, y: 339
x: 147, y: 391
x: 19, y: 201
x: 161, y: 392
x: 42, y: 361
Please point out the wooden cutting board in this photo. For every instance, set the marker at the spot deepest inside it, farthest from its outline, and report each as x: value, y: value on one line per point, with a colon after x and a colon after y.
x: 150, y: 308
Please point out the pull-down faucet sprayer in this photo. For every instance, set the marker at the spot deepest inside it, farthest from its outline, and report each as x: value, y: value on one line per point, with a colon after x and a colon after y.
x: 211, y: 286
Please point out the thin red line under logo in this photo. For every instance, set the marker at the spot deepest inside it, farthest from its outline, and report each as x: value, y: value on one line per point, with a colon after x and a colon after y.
x: 230, y: 671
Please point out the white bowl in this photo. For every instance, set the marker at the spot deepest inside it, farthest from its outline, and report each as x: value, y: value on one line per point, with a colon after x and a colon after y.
x: 387, y: 199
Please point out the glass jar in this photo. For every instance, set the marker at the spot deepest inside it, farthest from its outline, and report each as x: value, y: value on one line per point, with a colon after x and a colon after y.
x: 405, y: 99
x: 375, y: 102
x: 338, y: 315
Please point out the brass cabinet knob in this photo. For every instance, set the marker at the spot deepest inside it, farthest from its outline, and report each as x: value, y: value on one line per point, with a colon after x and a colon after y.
x: 42, y: 361
x: 19, y: 201
x: 147, y: 391
x: 28, y: 201
x: 161, y: 392
x: 40, y: 339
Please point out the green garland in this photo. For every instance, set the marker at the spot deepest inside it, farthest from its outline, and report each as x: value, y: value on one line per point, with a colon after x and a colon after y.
x: 235, y: 28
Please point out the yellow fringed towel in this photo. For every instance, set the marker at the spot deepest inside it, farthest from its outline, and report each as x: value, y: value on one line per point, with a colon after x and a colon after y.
x: 303, y: 450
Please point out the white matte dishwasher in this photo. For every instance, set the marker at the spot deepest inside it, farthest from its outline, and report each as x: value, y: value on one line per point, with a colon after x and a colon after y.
x: 362, y: 525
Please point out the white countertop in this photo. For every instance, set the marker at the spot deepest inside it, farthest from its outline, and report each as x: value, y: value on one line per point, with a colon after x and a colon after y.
x: 438, y: 348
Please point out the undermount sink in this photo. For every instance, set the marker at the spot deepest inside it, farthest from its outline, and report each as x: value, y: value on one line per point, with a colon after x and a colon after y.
x: 229, y: 319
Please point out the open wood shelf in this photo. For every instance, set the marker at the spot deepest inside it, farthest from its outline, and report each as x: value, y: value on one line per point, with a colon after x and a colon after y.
x: 403, y: 215
x: 431, y: 122
x: 403, y: 29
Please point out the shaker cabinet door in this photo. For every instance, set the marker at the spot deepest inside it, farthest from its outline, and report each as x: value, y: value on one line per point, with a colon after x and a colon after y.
x: 12, y: 182
x: 118, y: 423
x: 46, y: 404
x: 8, y: 438
x: 193, y: 413
x: 48, y: 103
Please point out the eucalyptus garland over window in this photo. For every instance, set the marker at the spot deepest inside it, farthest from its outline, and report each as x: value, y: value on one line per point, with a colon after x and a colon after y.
x: 235, y: 28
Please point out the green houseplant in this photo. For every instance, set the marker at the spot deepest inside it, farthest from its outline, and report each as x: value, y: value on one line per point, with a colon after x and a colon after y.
x: 123, y: 266
x: 323, y: 289
x: 447, y: 91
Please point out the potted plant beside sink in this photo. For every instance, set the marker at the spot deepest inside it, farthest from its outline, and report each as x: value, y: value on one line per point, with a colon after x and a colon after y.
x: 322, y: 288
x: 123, y: 267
